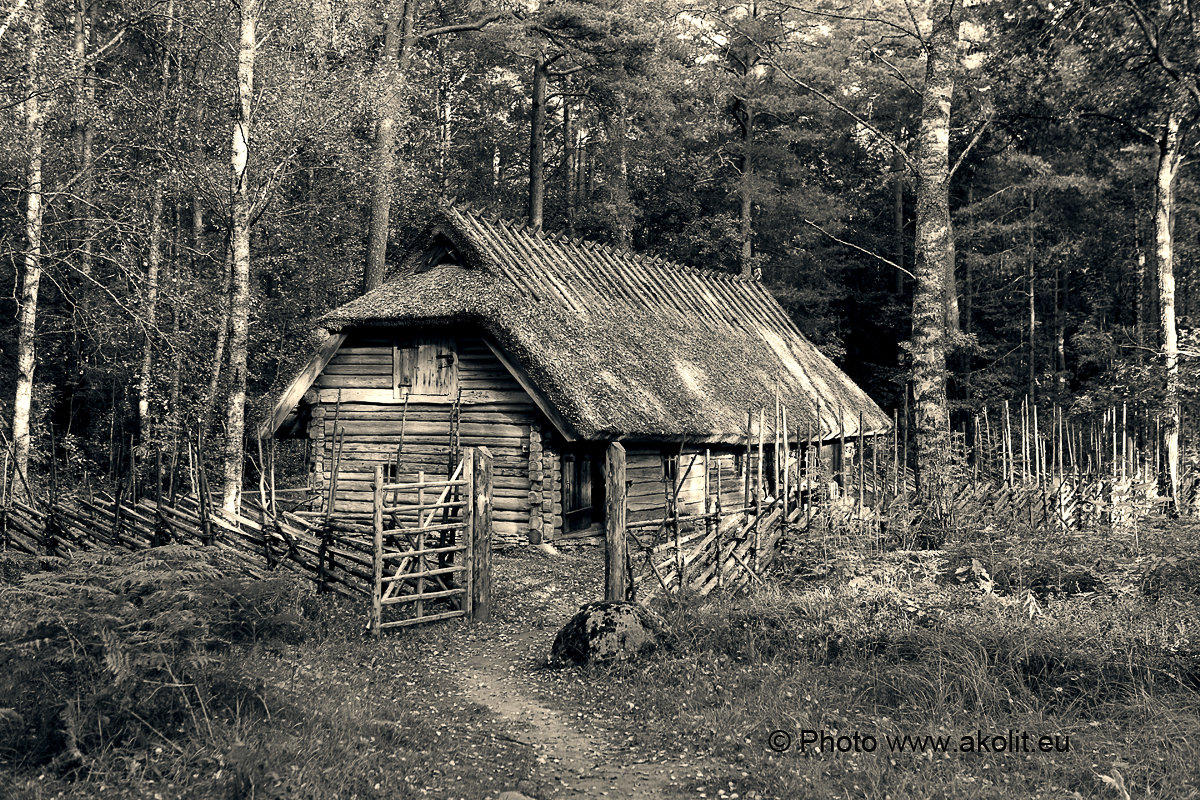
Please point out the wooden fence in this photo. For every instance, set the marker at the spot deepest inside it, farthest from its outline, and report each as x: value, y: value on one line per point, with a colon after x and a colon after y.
x: 432, y: 558
x: 345, y: 554
x: 1064, y: 475
x: 336, y: 557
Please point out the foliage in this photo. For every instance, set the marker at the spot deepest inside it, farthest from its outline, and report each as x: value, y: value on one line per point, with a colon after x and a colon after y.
x: 111, y: 650
x: 991, y: 635
x: 1052, y: 199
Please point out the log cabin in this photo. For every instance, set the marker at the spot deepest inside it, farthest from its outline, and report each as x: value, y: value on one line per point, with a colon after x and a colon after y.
x: 545, y: 349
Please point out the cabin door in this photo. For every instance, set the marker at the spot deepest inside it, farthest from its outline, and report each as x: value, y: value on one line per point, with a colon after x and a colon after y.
x: 583, y: 491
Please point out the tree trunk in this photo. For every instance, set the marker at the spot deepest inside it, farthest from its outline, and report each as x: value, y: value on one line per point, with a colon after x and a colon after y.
x: 537, y: 145
x: 1167, y: 168
x: 1031, y: 316
x: 617, y: 184
x: 444, y: 106
x: 1139, y: 297
x: 746, y: 206
x: 383, y: 152
x: 1061, y: 295
x: 153, y: 263
x: 953, y: 322
x: 898, y: 213
x: 27, y: 314
x: 928, y: 346
x: 568, y: 164
x: 155, y: 251
x: 214, y: 379
x: 84, y: 134
x: 239, y: 245
x: 176, y: 344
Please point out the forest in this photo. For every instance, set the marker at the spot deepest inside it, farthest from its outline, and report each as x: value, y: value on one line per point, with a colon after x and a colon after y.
x: 958, y: 202
x: 983, y: 211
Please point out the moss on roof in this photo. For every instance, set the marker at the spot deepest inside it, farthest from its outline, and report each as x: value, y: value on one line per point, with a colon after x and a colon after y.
x: 623, y: 346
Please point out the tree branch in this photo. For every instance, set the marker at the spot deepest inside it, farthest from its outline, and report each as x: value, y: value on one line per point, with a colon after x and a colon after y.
x: 1149, y: 135
x: 914, y: 33
x: 883, y: 137
x: 863, y: 250
x: 970, y: 146
x: 464, y: 27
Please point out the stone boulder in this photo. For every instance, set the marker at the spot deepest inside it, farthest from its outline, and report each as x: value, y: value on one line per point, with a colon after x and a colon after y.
x: 606, y: 631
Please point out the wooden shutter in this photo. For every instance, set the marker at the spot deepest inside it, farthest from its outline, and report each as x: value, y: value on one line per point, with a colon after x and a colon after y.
x: 404, y: 361
x: 427, y: 368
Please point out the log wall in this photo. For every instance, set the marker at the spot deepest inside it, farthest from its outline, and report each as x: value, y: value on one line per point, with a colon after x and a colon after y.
x: 649, y: 485
x: 357, y: 394
x: 495, y: 412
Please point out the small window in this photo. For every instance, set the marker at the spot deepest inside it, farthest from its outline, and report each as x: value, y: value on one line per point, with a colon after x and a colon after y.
x: 670, y: 465
x: 427, y: 367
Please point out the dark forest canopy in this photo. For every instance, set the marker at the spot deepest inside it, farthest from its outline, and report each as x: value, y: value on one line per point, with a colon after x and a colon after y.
x: 787, y: 140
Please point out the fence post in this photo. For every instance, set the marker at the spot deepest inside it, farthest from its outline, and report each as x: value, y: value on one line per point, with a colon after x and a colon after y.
x: 377, y: 525
x: 481, y: 536
x: 615, y: 588
x: 468, y: 495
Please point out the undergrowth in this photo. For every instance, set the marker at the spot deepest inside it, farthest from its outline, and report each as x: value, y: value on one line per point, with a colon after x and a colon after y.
x: 1057, y: 636
x: 168, y: 673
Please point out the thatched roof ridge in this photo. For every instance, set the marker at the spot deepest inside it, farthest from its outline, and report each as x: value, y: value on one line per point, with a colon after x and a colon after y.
x: 623, y: 346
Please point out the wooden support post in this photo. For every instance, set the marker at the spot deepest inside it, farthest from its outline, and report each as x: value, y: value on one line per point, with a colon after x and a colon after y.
x: 843, y: 484
x: 904, y: 449
x: 615, y: 589
x: 986, y: 443
x: 1026, y: 467
x: 1038, y: 466
x: 1114, y: 442
x: 976, y: 449
x: 1008, y: 448
x: 707, y: 504
x: 377, y: 530
x: 749, y: 433
x: 420, y: 605
x: 875, y: 470
x: 481, y: 558
x: 758, y: 495
x: 1125, y: 440
x: 895, y: 453
x: 468, y: 517
x: 758, y: 489
x: 808, y: 458
x: 787, y: 451
x: 718, y: 544
x: 672, y: 511
x: 775, y: 440
x: 862, y: 465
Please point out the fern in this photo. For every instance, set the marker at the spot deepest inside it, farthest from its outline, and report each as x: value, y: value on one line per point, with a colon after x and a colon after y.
x: 135, y: 641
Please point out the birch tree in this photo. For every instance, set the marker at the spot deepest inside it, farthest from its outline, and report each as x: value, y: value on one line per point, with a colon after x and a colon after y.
x: 936, y: 31
x: 239, y: 244
x: 32, y: 274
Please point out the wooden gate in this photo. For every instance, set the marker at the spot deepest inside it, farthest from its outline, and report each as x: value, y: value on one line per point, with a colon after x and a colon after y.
x: 432, y: 545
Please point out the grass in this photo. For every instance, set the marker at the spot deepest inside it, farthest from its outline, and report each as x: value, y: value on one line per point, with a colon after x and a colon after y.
x: 312, y: 709
x: 1092, y: 640
x: 1095, y: 638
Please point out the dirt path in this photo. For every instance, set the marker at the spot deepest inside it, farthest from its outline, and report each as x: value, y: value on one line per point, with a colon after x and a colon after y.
x: 577, y: 758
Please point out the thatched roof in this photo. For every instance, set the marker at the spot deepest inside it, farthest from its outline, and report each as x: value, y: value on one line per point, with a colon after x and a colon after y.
x: 622, y: 346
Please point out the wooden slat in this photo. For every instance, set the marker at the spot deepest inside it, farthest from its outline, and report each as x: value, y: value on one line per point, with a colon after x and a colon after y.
x: 301, y: 383
x: 402, y: 623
